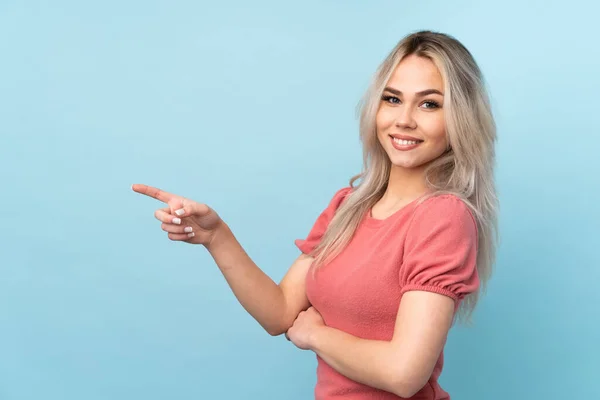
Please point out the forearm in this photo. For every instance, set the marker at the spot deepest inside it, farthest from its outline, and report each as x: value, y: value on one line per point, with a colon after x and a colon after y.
x: 370, y: 362
x: 255, y: 290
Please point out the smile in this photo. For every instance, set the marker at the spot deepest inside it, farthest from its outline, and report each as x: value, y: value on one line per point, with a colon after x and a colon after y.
x: 405, y: 144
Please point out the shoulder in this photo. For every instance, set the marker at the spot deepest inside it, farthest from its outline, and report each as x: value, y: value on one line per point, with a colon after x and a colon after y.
x: 441, y: 247
x: 339, y: 196
x: 334, y: 203
x: 343, y: 192
x: 447, y: 210
x: 322, y: 222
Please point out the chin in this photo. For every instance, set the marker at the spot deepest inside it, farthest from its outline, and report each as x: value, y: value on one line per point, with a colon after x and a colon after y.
x: 411, y: 159
x: 406, y: 164
x: 404, y: 160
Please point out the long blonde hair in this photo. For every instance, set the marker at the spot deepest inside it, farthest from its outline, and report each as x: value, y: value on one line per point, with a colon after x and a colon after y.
x: 466, y: 170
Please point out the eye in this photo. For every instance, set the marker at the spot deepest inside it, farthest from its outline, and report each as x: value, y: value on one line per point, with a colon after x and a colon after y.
x: 391, y: 99
x: 432, y: 104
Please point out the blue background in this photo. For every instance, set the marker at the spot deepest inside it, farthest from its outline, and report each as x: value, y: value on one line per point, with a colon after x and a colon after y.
x: 249, y: 107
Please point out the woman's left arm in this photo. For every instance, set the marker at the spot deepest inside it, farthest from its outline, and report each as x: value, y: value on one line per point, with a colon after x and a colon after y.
x: 401, y: 366
x: 438, y: 270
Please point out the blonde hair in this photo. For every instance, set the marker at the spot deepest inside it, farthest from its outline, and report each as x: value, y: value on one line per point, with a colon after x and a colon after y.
x: 466, y: 170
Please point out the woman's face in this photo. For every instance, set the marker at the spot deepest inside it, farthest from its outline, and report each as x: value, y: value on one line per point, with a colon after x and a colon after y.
x: 410, y: 120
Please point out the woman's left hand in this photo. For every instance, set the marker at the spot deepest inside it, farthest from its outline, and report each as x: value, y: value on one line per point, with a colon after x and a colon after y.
x: 304, y: 328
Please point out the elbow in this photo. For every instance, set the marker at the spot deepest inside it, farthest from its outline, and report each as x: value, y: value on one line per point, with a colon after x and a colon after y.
x: 405, y: 390
x: 277, y: 329
x: 280, y: 325
x: 405, y: 386
x: 274, y: 331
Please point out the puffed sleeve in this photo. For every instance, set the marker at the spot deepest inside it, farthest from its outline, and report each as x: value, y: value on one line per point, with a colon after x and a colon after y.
x: 308, y: 244
x: 441, y: 249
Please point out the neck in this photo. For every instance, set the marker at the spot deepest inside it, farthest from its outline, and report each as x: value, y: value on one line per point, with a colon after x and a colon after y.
x: 405, y: 184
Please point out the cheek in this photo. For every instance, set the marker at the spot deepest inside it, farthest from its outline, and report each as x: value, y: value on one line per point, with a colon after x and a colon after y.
x: 384, y: 119
x: 436, y: 130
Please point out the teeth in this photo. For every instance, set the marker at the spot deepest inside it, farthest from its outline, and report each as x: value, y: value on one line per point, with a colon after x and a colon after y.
x: 405, y: 142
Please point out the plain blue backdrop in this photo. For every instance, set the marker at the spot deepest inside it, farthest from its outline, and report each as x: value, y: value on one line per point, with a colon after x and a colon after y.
x: 250, y: 107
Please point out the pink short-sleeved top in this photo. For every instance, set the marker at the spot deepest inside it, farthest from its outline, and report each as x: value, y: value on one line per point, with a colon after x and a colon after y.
x: 430, y: 246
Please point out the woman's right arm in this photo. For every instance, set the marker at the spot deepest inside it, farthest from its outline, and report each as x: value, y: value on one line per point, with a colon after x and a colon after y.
x: 274, y: 306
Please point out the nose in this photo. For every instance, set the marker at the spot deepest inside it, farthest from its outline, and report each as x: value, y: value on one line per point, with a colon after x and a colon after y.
x: 404, y: 118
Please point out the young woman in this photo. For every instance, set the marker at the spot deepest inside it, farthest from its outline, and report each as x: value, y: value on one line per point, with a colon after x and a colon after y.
x: 392, y: 260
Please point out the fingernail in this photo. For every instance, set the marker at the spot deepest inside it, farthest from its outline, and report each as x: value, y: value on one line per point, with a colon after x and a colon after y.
x: 181, y: 211
x: 176, y: 221
x: 191, y: 234
x: 188, y: 229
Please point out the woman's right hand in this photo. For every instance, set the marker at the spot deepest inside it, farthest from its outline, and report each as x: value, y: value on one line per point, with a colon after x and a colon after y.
x: 184, y: 219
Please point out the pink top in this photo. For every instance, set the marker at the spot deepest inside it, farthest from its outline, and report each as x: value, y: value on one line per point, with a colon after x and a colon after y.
x: 429, y: 246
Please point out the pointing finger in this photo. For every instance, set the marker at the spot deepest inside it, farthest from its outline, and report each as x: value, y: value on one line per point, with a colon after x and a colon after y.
x: 153, y: 192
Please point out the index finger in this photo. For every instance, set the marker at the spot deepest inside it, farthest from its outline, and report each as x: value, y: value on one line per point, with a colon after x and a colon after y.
x: 153, y: 192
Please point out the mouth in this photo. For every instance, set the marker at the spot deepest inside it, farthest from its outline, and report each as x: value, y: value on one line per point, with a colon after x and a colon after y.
x: 405, y: 142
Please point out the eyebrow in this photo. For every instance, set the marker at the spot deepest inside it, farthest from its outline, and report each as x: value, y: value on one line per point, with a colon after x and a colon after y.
x: 421, y: 93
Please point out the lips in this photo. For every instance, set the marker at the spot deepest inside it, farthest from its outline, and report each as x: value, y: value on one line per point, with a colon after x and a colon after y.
x: 405, y: 143
x: 405, y: 137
